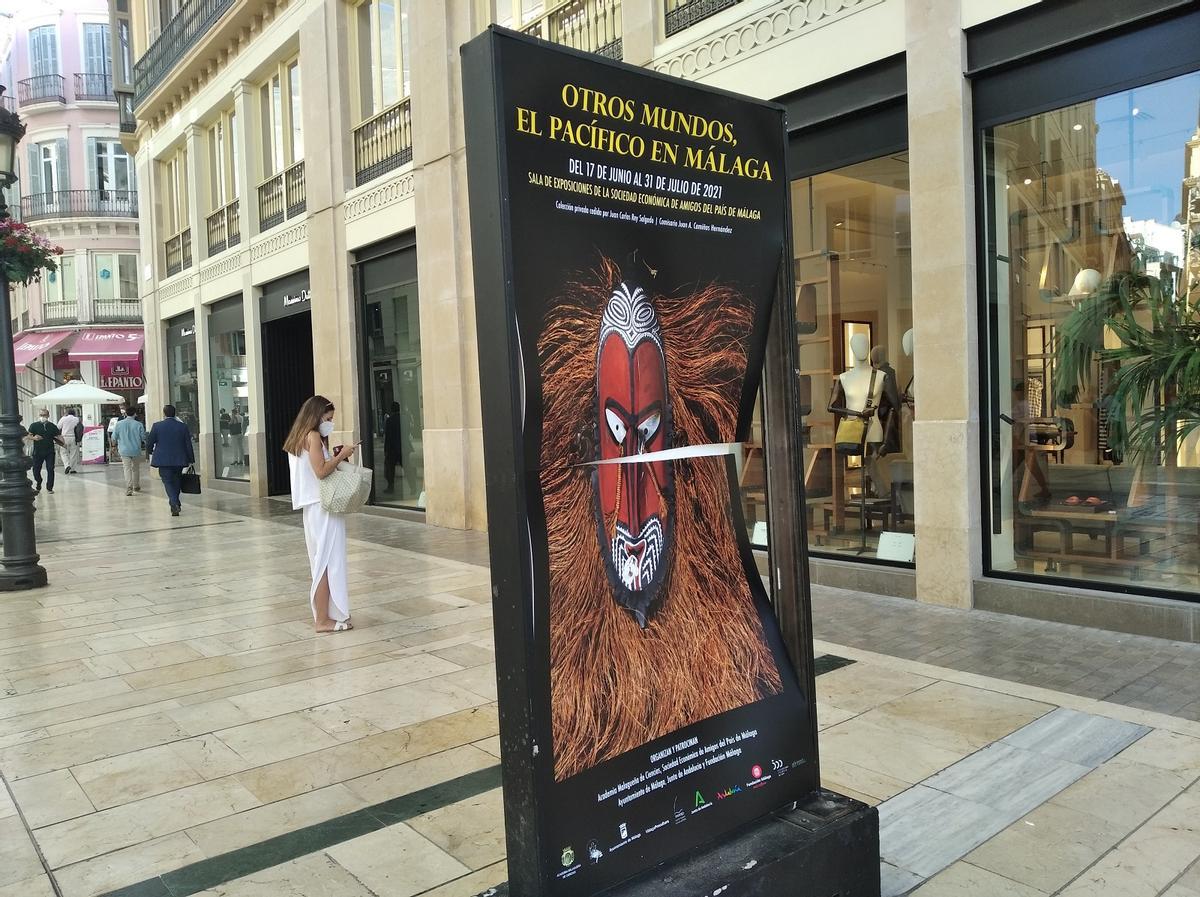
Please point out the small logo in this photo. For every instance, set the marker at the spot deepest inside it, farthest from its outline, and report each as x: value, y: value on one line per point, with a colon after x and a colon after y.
x: 776, y: 765
x: 594, y: 852
x: 756, y: 771
x: 624, y: 830
x: 700, y: 801
x: 568, y: 856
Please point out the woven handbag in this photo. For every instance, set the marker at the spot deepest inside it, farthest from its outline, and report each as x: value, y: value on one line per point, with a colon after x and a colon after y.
x: 346, y: 489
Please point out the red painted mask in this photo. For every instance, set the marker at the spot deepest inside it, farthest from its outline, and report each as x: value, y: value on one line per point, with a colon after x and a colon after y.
x: 634, y: 501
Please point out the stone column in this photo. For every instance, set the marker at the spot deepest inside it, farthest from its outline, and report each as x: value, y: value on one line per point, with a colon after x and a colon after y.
x: 945, y: 325
x: 197, y: 179
x: 243, y: 98
x: 639, y: 29
x: 256, y: 437
x: 324, y: 63
x: 453, y: 434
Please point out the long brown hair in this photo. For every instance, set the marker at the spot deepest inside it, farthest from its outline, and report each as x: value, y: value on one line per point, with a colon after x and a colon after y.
x: 306, y: 421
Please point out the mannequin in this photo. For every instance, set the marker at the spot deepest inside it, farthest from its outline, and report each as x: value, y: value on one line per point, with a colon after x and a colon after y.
x: 851, y: 388
x: 890, y: 405
x: 906, y: 343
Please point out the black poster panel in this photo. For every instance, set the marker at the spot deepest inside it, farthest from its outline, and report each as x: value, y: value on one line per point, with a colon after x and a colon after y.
x: 628, y: 233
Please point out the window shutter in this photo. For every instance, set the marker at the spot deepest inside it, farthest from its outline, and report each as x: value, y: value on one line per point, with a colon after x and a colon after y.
x: 63, y: 163
x: 35, y: 170
x: 92, y: 166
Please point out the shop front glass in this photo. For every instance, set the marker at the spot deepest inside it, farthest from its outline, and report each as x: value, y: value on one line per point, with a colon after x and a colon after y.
x: 182, y: 384
x: 230, y: 390
x: 853, y: 307
x: 393, y: 364
x: 1092, y: 227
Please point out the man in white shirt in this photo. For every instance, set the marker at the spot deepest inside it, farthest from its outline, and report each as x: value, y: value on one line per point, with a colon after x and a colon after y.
x: 69, y: 450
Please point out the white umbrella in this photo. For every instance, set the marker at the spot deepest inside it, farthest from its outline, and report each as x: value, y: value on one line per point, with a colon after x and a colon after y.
x: 141, y: 400
x: 76, y: 391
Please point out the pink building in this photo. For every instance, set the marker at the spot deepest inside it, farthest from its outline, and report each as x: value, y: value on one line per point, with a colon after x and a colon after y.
x: 76, y: 187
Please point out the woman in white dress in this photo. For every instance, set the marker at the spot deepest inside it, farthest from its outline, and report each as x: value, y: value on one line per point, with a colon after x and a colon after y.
x: 311, y: 461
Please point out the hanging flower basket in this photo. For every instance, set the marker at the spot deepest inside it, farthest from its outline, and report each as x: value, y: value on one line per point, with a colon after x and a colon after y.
x: 24, y: 254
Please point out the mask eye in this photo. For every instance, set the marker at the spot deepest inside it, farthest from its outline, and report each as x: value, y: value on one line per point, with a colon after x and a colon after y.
x: 648, y: 427
x: 616, y: 426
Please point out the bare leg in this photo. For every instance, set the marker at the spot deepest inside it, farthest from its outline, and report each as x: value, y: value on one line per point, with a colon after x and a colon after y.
x: 1031, y: 462
x: 321, y: 619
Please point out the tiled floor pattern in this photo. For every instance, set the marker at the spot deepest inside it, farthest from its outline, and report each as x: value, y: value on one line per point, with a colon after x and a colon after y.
x: 165, y: 702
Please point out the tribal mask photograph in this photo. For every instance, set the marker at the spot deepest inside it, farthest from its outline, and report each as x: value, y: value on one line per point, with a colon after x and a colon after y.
x: 653, y: 624
x: 634, y: 500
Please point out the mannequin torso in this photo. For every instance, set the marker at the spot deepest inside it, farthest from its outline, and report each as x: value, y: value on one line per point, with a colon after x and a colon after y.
x: 857, y: 387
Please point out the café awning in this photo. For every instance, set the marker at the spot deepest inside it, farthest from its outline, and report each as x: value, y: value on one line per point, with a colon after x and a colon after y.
x: 28, y: 346
x: 106, y: 345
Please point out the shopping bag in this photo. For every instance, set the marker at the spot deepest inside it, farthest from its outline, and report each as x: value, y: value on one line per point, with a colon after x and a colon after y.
x: 346, y: 489
x: 189, y: 482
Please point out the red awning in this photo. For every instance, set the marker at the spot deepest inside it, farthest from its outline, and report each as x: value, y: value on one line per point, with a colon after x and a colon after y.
x: 106, y: 345
x: 28, y: 346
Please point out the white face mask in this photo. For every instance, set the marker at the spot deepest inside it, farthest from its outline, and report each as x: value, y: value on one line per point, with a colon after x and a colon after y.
x: 43, y: 417
x: 325, y: 429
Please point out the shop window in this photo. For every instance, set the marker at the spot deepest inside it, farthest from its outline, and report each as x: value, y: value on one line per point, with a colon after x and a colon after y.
x: 230, y: 391
x: 853, y: 308
x: 393, y: 345
x: 182, y: 383
x: 1092, y: 225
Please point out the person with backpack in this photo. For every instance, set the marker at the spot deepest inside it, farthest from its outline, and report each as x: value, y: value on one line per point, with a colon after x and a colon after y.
x: 70, y: 428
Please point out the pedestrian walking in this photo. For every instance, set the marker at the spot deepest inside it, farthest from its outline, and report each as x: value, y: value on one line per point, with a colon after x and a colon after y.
x: 311, y: 461
x: 45, y: 436
x: 69, y: 428
x: 169, y: 444
x: 223, y: 426
x: 130, y: 437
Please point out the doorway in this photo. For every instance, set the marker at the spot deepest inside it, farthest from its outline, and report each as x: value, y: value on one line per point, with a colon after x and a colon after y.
x: 287, y: 382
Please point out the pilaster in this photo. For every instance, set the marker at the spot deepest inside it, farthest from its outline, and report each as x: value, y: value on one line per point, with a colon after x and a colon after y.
x: 453, y: 434
x: 946, y: 428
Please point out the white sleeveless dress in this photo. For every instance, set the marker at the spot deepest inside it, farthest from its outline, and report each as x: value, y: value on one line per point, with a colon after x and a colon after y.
x: 324, y: 535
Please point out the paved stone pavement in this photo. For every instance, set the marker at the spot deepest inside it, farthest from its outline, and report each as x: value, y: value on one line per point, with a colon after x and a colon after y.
x: 170, y: 725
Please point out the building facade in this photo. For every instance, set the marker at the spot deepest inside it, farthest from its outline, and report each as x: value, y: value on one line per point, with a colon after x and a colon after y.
x: 996, y: 197
x: 76, y: 186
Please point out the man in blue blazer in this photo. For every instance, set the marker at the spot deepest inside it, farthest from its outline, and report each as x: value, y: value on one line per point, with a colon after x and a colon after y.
x: 169, y: 445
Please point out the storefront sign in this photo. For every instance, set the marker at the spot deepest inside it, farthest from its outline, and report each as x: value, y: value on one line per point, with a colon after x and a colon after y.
x: 629, y: 233
x: 121, y: 375
x: 296, y: 299
x: 286, y: 296
x: 96, y: 345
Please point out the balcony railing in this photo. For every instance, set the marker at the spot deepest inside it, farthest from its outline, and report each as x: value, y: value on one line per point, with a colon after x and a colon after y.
x: 80, y: 204
x: 60, y: 312
x: 224, y: 228
x: 117, y: 311
x: 591, y: 25
x: 125, y: 113
x: 383, y: 142
x: 179, y: 252
x: 180, y: 35
x: 42, y: 89
x: 681, y: 14
x: 281, y: 196
x: 94, y: 86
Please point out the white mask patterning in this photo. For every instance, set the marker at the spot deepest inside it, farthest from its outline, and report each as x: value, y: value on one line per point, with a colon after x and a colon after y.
x: 325, y: 429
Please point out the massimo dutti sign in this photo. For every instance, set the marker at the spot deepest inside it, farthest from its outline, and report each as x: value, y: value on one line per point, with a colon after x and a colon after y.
x: 288, y: 296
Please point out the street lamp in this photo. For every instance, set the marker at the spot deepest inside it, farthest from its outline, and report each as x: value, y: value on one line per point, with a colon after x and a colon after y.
x: 20, y: 558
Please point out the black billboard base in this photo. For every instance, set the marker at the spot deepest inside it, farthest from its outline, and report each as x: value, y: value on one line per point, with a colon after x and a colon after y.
x: 827, y: 847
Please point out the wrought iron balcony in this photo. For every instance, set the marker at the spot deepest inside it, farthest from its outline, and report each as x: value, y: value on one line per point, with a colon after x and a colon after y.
x: 179, y: 252
x: 180, y: 35
x: 42, y: 89
x: 224, y: 228
x: 591, y: 25
x: 681, y: 14
x: 60, y: 312
x: 80, y: 204
x: 125, y: 113
x: 383, y: 142
x: 281, y: 197
x: 117, y: 311
x: 96, y: 86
